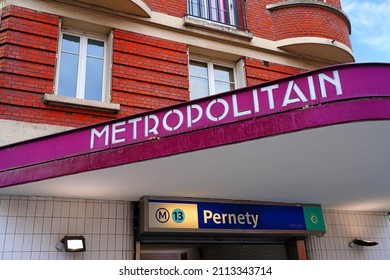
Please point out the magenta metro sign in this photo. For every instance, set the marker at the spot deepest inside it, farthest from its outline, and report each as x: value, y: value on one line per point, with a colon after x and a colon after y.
x: 338, y: 83
x: 249, y: 103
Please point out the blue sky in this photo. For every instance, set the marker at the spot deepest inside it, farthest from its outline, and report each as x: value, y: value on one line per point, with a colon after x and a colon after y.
x: 370, y: 21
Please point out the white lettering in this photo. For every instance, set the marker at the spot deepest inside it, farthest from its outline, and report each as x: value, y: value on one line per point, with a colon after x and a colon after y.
x: 207, y: 215
x: 117, y: 129
x: 224, y: 114
x: 95, y: 132
x: 256, y: 104
x: 181, y: 118
x: 334, y: 81
x: 241, y: 219
x: 270, y: 89
x: 134, y: 122
x: 301, y: 97
x: 239, y: 104
x: 154, y: 128
x: 217, y: 218
x: 236, y: 113
x: 190, y: 120
x: 230, y: 218
x: 311, y: 88
x: 255, y: 219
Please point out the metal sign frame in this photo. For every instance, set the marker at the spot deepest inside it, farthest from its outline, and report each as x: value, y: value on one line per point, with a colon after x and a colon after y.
x: 146, y: 228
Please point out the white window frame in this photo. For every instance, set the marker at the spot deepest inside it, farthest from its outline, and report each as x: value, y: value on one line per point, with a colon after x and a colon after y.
x: 84, y: 36
x: 210, y: 71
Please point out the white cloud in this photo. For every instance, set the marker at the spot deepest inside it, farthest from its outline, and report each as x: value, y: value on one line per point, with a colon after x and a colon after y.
x: 370, y: 22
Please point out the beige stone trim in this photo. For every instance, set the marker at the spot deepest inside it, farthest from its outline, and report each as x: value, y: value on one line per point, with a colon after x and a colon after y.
x: 57, y: 100
x: 17, y: 131
x: 190, y: 21
x: 345, y: 54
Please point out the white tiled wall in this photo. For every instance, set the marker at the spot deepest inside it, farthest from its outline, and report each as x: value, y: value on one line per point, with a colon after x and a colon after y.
x: 344, y: 226
x: 31, y: 226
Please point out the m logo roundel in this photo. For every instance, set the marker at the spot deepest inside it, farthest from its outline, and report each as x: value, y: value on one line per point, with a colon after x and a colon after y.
x: 162, y: 215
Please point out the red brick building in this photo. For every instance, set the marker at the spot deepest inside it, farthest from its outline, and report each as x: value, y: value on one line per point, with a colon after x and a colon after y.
x: 69, y: 64
x: 148, y: 70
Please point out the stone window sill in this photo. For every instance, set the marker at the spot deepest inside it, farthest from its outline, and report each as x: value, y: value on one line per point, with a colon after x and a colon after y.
x: 204, y: 24
x: 56, y: 100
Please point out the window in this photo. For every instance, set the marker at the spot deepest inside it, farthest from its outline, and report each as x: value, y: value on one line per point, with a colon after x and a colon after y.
x: 208, y: 78
x: 222, y: 11
x: 81, y: 70
x: 228, y: 12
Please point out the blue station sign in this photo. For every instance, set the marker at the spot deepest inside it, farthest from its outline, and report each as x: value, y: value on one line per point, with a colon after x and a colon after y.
x: 181, y: 215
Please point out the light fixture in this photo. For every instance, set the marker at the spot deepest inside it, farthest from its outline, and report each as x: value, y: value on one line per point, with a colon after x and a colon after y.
x: 73, y: 243
x: 363, y: 242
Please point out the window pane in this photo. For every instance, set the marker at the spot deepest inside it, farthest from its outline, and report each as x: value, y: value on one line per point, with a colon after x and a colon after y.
x: 94, y: 79
x: 213, y: 10
x: 224, y: 78
x: 69, y: 65
x: 67, y: 81
x: 199, y: 83
x: 94, y: 70
x: 223, y: 74
x: 199, y: 87
x: 219, y: 11
x: 196, y: 8
x: 224, y: 11
x: 95, y: 48
x: 198, y: 69
x: 70, y: 43
x: 223, y: 87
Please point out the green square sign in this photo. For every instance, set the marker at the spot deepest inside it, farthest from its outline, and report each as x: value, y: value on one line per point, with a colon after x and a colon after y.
x: 314, y: 218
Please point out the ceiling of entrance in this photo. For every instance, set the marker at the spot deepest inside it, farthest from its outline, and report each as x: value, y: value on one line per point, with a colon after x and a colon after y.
x: 342, y: 167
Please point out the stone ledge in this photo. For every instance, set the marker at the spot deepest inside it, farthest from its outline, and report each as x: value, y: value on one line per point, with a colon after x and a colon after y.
x: 217, y: 27
x: 52, y: 99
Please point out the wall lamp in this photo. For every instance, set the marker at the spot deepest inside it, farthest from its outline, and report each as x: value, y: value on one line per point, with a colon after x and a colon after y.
x: 72, y: 243
x: 362, y: 242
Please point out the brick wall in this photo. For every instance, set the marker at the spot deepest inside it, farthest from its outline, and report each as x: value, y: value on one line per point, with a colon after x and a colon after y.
x: 172, y: 8
x: 305, y: 21
x: 263, y: 23
x: 259, y: 19
x: 148, y: 73
x: 28, y: 44
x: 295, y: 21
x: 258, y: 71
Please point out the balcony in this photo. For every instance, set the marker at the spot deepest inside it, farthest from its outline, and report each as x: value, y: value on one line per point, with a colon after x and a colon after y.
x: 314, y: 29
x: 127, y: 7
x: 225, y: 12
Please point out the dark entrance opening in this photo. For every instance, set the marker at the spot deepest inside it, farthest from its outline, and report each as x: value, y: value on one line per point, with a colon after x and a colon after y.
x: 210, y: 251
